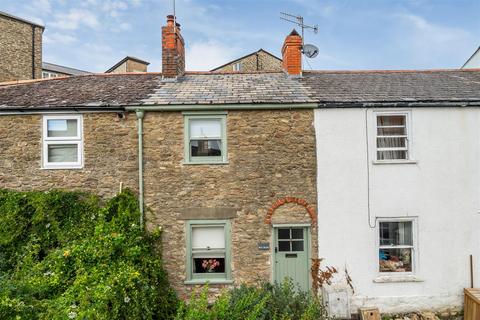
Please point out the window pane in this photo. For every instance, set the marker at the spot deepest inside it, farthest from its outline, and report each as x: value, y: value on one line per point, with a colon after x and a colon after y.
x: 283, y: 245
x: 297, y: 233
x: 397, y: 120
x: 391, y: 142
x: 62, y: 153
x: 62, y: 128
x: 297, y: 245
x: 391, y: 131
x: 395, y: 260
x: 209, y: 265
x: 283, y: 233
x: 208, y: 237
x: 392, y: 155
x: 397, y: 233
x: 203, y: 129
x: 205, y: 148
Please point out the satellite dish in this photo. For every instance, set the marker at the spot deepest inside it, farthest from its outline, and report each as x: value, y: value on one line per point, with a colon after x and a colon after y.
x: 310, y: 50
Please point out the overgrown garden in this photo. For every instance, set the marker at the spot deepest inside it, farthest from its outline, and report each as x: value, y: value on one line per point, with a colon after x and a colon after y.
x: 69, y: 255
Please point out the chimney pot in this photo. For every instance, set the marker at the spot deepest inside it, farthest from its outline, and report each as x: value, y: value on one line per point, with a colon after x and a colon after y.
x: 170, y: 20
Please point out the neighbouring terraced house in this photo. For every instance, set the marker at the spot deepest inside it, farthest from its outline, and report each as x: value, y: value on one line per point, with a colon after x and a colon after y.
x: 250, y: 175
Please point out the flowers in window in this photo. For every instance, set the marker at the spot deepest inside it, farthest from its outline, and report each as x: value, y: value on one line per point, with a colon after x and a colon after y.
x: 210, y: 265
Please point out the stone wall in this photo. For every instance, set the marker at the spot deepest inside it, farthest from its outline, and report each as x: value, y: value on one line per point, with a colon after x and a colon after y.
x: 16, y: 50
x: 110, y: 155
x: 259, y: 61
x: 271, y: 156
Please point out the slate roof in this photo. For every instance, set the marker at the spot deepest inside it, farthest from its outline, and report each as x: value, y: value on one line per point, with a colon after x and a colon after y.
x: 393, y: 86
x: 231, y: 88
x: 327, y: 88
x: 84, y: 92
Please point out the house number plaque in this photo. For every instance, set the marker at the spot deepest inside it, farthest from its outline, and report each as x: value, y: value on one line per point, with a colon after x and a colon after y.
x: 264, y: 246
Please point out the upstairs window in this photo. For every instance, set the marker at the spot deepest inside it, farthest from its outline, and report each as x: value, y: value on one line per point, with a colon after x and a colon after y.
x: 396, y: 246
x: 392, y: 137
x: 205, y: 138
x: 62, y: 142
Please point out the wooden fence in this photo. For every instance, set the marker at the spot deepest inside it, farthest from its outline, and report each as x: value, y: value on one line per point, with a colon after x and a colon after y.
x: 472, y: 304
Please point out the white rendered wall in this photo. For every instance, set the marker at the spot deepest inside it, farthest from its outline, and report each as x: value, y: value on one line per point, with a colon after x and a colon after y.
x: 441, y: 189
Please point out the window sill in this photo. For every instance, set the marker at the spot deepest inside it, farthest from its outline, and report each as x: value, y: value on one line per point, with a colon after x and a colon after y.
x: 397, y: 278
x: 63, y: 168
x: 394, y: 161
x: 206, y: 162
x: 209, y: 281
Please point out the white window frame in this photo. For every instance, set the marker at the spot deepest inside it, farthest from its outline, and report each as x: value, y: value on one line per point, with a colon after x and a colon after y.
x: 78, y: 140
x: 408, y: 116
x: 414, y: 246
x: 237, y: 66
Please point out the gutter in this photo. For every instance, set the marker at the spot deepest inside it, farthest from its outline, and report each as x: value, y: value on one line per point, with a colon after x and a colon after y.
x: 223, y: 107
x: 140, y: 115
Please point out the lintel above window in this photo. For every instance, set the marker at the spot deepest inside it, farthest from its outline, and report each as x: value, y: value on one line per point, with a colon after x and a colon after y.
x: 62, y: 142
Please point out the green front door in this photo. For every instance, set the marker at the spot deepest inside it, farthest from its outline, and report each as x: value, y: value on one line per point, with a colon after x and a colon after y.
x: 291, y: 255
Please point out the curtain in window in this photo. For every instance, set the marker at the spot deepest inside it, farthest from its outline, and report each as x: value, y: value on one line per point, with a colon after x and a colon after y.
x: 392, y: 137
x: 62, y: 128
x: 62, y: 153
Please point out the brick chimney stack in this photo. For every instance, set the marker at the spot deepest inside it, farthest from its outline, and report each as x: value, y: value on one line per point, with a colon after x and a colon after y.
x: 292, y: 54
x: 173, y: 50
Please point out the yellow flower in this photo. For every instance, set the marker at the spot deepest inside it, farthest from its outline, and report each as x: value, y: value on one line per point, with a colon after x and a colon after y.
x: 66, y: 253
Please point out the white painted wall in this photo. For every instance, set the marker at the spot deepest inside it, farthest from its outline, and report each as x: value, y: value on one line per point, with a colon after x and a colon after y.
x: 441, y: 189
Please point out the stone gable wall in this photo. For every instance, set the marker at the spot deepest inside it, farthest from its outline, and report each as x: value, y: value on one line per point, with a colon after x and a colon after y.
x: 16, y: 50
x: 265, y: 63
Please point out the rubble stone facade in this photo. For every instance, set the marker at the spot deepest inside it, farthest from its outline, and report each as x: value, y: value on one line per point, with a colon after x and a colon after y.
x: 20, y: 41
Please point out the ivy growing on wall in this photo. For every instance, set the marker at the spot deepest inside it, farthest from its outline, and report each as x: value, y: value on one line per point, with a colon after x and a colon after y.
x: 66, y: 255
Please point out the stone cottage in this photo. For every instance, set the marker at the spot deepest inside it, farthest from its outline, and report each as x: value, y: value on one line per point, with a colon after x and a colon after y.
x: 251, y: 175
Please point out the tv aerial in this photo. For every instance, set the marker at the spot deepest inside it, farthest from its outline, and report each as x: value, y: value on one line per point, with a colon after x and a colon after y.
x: 309, y: 50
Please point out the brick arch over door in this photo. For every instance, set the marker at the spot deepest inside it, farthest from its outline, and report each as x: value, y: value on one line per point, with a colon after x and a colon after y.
x: 282, y: 201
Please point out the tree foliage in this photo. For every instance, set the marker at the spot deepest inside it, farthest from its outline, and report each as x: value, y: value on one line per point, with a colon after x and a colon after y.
x: 64, y: 255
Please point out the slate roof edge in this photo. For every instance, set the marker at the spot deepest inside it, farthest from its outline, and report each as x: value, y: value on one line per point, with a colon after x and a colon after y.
x: 306, y: 72
x: 399, y: 104
x: 11, y: 16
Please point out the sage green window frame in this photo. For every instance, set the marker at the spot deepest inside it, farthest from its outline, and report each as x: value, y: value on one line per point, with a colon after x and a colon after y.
x: 202, y: 278
x: 210, y: 115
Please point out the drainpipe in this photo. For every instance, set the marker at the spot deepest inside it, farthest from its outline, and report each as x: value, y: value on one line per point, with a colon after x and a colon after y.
x: 140, y: 114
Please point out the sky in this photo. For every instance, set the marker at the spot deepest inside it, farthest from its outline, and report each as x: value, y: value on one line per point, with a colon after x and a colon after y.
x: 93, y: 35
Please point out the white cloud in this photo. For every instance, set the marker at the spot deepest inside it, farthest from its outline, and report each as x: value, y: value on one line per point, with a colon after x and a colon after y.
x: 58, y: 38
x: 205, y: 55
x: 74, y: 18
x: 432, y: 44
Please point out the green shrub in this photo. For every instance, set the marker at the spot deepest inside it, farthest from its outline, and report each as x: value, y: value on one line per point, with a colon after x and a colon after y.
x: 265, y: 302
x: 64, y: 256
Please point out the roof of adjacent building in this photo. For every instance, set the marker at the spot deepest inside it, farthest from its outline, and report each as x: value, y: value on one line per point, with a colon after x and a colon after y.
x: 125, y: 59
x: 325, y: 88
x: 11, y: 16
x: 473, y: 61
x: 246, y: 56
x: 62, y: 69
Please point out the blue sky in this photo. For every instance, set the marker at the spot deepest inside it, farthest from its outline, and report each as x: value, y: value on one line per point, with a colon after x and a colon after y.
x: 354, y: 34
